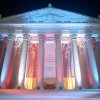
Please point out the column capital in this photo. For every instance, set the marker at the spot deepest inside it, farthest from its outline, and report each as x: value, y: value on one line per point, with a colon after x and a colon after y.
x: 41, y: 36
x: 98, y: 37
x: 11, y: 36
x: 73, y: 36
x: 26, y: 36
x: 88, y: 36
x: 58, y: 36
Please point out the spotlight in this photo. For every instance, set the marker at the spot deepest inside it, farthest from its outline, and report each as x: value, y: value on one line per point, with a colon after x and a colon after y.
x: 38, y: 88
x: 80, y: 87
x: 60, y: 88
x: 18, y: 87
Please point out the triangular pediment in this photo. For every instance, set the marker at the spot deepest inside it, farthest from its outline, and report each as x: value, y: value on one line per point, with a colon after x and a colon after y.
x: 49, y: 15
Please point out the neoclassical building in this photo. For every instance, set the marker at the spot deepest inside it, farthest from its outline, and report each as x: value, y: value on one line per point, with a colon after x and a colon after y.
x: 49, y: 48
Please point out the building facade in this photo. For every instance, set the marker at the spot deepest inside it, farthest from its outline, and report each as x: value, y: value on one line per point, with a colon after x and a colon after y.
x: 49, y: 48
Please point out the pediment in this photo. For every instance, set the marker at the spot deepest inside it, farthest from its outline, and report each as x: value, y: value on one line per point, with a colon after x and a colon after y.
x: 49, y: 15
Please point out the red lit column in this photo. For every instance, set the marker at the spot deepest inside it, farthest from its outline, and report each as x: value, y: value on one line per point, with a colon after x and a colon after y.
x: 59, y: 67
x: 6, y: 62
x: 22, y: 66
x: 92, y: 62
x: 40, y: 64
x: 78, y: 82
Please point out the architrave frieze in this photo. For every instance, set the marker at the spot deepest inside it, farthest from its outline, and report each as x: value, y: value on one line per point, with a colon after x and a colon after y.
x: 51, y: 27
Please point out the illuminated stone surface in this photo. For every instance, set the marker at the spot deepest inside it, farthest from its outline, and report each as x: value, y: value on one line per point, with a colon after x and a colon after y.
x: 67, y: 64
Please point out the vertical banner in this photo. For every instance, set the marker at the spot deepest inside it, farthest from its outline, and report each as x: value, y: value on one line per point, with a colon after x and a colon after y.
x: 68, y: 67
x: 31, y: 63
x: 65, y: 61
x: 49, y: 63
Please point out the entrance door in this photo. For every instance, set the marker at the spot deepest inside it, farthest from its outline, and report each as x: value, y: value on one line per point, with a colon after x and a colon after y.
x: 49, y: 65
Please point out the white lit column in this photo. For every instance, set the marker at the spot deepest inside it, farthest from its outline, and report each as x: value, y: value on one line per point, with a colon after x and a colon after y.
x: 78, y: 83
x: 59, y: 67
x: 22, y: 66
x: 40, y: 64
x: 6, y: 62
x: 92, y: 62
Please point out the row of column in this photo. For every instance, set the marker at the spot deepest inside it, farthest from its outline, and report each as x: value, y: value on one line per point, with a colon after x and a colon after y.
x: 39, y: 73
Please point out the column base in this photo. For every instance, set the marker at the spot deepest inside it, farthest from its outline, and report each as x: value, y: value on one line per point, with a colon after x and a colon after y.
x: 20, y: 87
x: 60, y: 87
x: 39, y: 88
x: 78, y: 88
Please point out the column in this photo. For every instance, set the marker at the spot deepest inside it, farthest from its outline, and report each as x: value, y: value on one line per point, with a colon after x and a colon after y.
x: 40, y: 64
x: 92, y: 62
x: 59, y: 66
x: 6, y: 62
x: 22, y: 66
x: 17, y: 60
x: 78, y: 82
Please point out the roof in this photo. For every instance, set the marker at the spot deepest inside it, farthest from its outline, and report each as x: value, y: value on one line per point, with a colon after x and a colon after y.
x: 49, y: 15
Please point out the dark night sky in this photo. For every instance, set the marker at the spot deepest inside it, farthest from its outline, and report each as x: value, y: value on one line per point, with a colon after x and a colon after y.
x: 86, y: 7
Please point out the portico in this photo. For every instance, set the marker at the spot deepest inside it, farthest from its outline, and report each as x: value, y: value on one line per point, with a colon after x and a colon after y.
x: 49, y: 50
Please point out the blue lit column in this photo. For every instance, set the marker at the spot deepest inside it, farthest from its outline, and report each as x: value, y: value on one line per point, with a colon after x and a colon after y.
x: 59, y: 67
x: 6, y: 62
x: 22, y: 66
x: 40, y: 64
x: 92, y: 62
x: 78, y: 82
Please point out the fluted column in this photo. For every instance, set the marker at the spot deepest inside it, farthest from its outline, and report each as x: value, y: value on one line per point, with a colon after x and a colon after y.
x: 22, y: 66
x: 78, y: 82
x: 59, y: 66
x: 92, y: 62
x: 40, y: 64
x: 84, y: 62
x: 6, y: 62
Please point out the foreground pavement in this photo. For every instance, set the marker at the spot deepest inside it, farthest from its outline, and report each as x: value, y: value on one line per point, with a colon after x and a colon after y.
x: 13, y: 94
